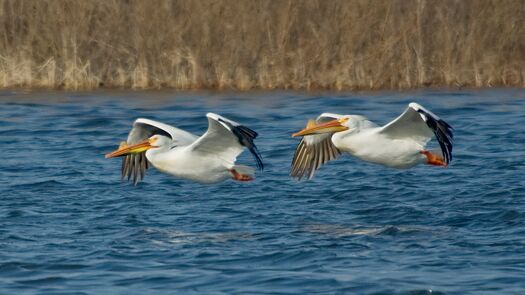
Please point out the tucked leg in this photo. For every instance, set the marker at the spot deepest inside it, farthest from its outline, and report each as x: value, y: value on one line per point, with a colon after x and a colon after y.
x: 433, y: 159
x: 240, y: 177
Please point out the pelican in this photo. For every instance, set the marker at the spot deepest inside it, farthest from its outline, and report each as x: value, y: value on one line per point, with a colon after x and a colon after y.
x: 399, y: 144
x: 206, y: 159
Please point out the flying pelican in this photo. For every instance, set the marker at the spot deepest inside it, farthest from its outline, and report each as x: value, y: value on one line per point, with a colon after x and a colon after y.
x: 206, y: 159
x: 399, y: 144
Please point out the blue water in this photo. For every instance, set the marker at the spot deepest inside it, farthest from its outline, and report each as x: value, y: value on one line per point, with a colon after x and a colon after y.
x: 70, y: 226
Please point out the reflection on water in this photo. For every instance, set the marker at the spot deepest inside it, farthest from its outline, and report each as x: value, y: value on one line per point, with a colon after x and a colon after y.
x: 69, y: 223
x: 343, y: 231
x: 166, y: 237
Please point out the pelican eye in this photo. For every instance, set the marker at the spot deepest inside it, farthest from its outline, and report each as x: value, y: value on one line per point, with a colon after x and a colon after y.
x: 343, y: 120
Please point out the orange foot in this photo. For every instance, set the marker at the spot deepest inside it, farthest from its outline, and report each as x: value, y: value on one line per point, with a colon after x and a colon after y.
x: 433, y: 159
x: 240, y: 177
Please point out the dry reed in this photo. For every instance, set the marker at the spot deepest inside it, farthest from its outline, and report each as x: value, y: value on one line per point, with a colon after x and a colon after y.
x: 266, y: 44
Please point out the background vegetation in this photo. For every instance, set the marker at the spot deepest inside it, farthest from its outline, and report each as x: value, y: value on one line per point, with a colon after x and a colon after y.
x: 244, y: 44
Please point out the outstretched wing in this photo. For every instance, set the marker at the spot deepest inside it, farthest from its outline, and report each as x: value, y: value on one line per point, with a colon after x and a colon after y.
x: 420, y: 124
x: 134, y: 166
x: 314, y: 150
x: 227, y: 139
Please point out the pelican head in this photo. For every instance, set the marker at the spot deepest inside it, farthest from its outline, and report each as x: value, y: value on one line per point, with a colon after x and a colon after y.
x: 159, y: 141
x: 155, y: 141
x: 338, y: 125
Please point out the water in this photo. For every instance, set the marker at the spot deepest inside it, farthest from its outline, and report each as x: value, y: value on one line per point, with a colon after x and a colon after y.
x: 70, y: 226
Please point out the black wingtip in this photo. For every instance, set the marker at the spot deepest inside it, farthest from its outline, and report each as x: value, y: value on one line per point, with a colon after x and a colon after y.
x: 257, y: 157
x: 249, y: 132
x: 443, y: 132
x: 251, y: 135
x: 245, y: 137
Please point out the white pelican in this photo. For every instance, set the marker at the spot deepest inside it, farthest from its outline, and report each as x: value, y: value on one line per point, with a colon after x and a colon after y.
x: 399, y: 144
x: 206, y: 159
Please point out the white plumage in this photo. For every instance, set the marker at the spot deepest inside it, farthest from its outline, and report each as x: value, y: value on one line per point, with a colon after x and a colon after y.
x: 206, y: 159
x: 399, y: 144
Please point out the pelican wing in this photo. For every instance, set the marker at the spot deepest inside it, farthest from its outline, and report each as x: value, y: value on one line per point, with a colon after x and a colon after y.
x: 145, y: 128
x: 420, y: 124
x: 227, y: 139
x: 134, y: 166
x: 314, y: 150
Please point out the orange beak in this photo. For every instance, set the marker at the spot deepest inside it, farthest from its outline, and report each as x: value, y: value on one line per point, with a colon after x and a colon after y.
x: 332, y: 126
x: 125, y: 149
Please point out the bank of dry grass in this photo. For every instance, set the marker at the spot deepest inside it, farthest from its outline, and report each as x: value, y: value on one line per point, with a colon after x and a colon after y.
x: 268, y: 44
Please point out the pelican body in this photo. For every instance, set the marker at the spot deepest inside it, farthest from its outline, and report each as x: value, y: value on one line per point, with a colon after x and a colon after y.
x: 206, y: 159
x: 398, y: 144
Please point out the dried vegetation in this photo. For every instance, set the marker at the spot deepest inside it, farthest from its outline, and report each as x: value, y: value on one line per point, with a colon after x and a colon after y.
x: 265, y: 44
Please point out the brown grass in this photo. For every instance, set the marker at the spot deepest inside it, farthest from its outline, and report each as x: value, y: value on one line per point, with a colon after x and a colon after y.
x: 267, y: 44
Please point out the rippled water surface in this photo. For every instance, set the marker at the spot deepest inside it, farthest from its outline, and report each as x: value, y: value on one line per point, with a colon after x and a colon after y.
x: 69, y: 225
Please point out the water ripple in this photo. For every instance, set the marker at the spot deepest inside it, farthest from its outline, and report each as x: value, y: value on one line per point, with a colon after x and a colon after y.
x: 70, y: 224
